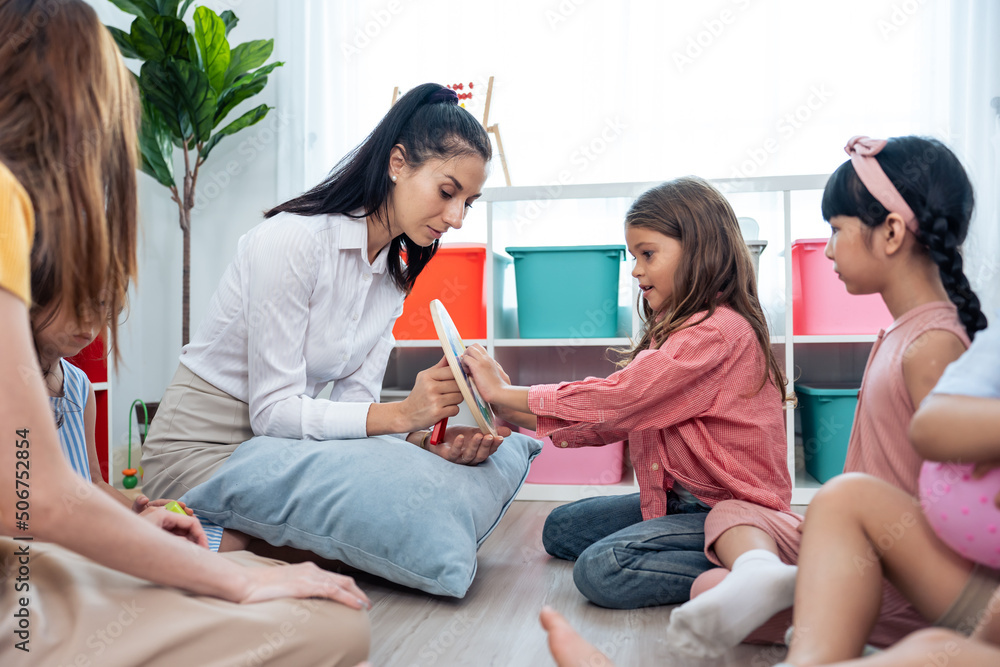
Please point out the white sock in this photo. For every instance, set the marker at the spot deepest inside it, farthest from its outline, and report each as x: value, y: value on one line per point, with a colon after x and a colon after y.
x: 758, y: 587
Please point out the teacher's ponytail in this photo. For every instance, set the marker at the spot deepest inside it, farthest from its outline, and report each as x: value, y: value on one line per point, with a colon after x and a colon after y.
x: 428, y: 123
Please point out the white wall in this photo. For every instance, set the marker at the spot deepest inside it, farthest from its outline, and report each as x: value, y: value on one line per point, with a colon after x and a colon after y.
x: 228, y: 205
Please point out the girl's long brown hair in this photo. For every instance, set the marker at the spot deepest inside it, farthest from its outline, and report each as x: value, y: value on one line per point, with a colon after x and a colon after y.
x: 715, y: 268
x: 68, y: 117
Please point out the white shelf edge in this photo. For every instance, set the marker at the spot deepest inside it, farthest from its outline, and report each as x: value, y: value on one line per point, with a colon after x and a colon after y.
x: 100, y: 386
x: 560, y: 342
x: 803, y: 495
x: 394, y: 392
x: 838, y: 338
x: 435, y: 343
x: 606, y: 190
x: 569, y: 492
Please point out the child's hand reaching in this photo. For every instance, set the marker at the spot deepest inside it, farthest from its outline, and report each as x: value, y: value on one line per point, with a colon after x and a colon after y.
x: 488, y: 375
x: 142, y: 503
x: 183, y: 526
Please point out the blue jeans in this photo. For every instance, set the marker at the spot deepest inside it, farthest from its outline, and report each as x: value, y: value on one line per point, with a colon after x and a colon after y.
x: 623, y: 562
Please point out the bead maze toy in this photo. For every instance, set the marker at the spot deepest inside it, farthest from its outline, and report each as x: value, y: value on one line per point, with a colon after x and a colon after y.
x: 130, y: 478
x: 451, y: 343
x: 467, y: 94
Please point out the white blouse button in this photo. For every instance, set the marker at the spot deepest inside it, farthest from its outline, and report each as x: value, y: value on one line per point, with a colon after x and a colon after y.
x: 655, y: 466
x: 564, y: 444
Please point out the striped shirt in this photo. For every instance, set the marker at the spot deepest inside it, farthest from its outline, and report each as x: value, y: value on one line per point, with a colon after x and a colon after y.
x: 298, y: 308
x: 691, y: 413
x: 70, y: 408
x: 880, y: 438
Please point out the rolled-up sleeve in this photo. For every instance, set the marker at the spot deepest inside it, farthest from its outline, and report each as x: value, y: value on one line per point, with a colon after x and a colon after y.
x: 657, y: 389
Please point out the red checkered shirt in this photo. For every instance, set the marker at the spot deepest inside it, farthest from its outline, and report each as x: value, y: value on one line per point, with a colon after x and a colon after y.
x: 691, y: 413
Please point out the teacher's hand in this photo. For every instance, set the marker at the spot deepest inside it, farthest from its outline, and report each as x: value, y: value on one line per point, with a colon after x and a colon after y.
x: 435, y: 396
x: 467, y: 445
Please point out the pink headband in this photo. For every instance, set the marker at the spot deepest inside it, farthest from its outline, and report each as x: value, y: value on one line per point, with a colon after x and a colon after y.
x: 863, y: 151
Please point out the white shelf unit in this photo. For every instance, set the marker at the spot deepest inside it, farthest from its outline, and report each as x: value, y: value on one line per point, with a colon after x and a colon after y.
x: 531, y: 361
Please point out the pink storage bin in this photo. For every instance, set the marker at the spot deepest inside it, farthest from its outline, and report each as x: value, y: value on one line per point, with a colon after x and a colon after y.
x: 821, y: 304
x: 576, y: 465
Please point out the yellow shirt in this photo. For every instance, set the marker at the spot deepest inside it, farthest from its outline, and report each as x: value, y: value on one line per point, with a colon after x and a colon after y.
x: 17, y: 231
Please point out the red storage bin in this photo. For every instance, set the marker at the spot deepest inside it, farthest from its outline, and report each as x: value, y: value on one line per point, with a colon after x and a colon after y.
x: 576, y: 465
x: 821, y: 304
x: 93, y: 361
x: 455, y: 276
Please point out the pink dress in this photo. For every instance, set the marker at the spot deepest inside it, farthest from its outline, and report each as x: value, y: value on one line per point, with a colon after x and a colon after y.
x: 879, y: 446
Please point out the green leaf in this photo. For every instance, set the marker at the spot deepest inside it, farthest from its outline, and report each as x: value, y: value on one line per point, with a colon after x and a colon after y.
x: 182, y: 93
x: 159, y: 38
x: 257, y: 73
x: 184, y: 8
x: 247, y: 85
x: 251, y: 117
x: 155, y: 146
x: 124, y: 42
x: 229, y: 18
x: 247, y: 56
x: 192, y: 49
x: 166, y: 7
x: 136, y: 7
x: 233, y: 96
x: 210, y: 34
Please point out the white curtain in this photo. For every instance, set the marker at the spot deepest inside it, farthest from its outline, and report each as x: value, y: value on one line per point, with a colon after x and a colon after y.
x: 317, y: 93
x: 974, y: 132
x: 639, y: 90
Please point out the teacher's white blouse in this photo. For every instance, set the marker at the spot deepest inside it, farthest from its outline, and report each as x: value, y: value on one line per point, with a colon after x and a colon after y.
x: 298, y: 308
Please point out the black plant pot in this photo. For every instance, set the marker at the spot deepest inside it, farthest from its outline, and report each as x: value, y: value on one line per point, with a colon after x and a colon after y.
x: 140, y: 416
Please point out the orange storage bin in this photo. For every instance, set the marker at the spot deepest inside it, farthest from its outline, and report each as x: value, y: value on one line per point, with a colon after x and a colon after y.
x: 455, y: 276
x: 821, y: 303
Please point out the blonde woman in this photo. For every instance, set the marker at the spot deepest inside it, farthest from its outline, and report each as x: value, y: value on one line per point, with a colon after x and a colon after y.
x: 84, y: 581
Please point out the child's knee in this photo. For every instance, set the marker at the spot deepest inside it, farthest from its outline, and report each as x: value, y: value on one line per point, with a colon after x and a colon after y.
x: 843, y: 491
x: 554, y: 533
x: 934, y: 642
x: 596, y: 580
x: 708, y: 580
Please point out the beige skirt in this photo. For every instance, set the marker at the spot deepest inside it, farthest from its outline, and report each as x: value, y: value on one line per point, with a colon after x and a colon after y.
x: 76, y: 612
x: 196, y: 428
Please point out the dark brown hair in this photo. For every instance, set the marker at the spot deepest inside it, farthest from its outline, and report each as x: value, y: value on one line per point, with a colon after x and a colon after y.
x: 68, y: 118
x: 428, y: 123
x: 715, y: 268
x: 934, y: 184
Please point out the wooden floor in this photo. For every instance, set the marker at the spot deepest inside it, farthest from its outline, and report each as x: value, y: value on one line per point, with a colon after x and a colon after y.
x: 497, y: 621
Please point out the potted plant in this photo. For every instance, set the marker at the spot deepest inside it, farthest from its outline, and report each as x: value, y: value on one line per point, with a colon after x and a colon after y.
x: 190, y: 81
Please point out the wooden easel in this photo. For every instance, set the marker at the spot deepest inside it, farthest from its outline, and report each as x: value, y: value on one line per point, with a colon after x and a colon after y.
x: 494, y: 128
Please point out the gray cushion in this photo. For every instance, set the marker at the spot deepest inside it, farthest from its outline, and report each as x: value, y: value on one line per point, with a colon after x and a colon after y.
x: 378, y: 504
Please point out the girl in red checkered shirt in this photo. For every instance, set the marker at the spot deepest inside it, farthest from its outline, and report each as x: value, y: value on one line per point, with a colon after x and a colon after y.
x: 699, y: 399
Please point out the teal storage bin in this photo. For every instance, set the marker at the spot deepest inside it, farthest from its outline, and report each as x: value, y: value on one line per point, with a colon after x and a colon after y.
x: 827, y: 412
x: 567, y: 291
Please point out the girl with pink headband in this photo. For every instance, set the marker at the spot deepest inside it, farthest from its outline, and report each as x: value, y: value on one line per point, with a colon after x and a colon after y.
x: 899, y: 211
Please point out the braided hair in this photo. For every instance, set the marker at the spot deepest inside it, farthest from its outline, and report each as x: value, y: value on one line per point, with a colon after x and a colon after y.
x: 934, y: 184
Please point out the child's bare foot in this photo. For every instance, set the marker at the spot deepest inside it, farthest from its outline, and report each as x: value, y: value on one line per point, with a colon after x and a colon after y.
x: 568, y: 648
